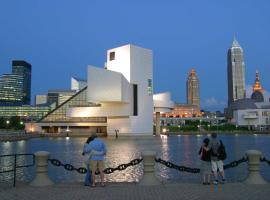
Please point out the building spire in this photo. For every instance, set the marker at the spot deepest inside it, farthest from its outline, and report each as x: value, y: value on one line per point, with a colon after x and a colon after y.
x: 257, y: 85
x: 235, y: 42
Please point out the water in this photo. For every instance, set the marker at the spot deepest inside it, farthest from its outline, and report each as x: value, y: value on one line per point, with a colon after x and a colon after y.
x: 181, y: 150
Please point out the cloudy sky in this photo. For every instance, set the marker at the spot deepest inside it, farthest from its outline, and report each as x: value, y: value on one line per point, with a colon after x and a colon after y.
x: 60, y: 38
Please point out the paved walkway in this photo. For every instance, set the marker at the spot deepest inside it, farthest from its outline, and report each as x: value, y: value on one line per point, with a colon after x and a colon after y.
x: 129, y: 191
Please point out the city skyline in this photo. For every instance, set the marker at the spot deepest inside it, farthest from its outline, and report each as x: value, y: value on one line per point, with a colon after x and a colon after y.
x: 60, y: 44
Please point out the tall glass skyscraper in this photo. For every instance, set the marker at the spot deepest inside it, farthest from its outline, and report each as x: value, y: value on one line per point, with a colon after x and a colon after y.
x: 235, y: 73
x: 193, y: 89
x: 11, y: 89
x: 24, y: 69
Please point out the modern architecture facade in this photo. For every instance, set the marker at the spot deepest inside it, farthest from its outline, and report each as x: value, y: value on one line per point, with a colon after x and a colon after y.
x: 235, y: 72
x: 77, y: 84
x: 256, y: 117
x: 118, y: 97
x: 59, y: 96
x: 41, y: 99
x: 24, y: 69
x: 193, y: 89
x: 11, y: 89
x: 26, y: 112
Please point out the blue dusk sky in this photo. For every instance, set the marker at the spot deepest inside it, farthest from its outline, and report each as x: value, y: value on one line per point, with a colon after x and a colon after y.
x: 61, y: 37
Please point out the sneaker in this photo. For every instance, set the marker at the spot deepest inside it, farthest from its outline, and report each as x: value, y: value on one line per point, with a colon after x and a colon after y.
x: 223, y: 181
x: 208, y: 183
x: 204, y: 183
x: 215, y: 182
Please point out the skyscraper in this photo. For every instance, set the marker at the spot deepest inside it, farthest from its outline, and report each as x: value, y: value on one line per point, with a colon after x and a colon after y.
x: 24, y: 69
x: 193, y: 89
x: 11, y: 89
x: 235, y: 72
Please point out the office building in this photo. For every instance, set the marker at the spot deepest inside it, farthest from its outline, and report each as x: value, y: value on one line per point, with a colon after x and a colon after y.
x: 24, y: 69
x: 26, y: 112
x: 193, y: 89
x: 257, y: 94
x: 235, y: 72
x: 11, y: 89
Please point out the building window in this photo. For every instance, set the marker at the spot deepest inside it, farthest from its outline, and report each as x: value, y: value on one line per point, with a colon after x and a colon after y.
x: 149, y: 87
x: 135, y: 100
x: 112, y: 55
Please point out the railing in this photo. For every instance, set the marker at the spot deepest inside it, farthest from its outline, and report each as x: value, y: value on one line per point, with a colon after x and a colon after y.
x: 15, y: 165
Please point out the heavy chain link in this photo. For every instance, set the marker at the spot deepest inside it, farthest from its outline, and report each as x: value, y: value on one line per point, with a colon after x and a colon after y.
x: 235, y: 163
x: 177, y: 167
x: 83, y: 170
x: 197, y: 170
x: 263, y: 159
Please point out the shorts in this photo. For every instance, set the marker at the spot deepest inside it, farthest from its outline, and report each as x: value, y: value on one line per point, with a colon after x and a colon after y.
x: 96, y: 164
x: 205, y: 167
x: 217, y: 165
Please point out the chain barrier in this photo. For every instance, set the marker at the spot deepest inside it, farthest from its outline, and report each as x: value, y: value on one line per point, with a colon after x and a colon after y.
x: 263, y: 159
x: 235, y: 163
x: 197, y: 170
x: 83, y: 170
x: 177, y: 167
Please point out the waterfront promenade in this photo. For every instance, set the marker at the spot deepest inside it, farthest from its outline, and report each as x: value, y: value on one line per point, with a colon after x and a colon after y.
x: 132, y: 191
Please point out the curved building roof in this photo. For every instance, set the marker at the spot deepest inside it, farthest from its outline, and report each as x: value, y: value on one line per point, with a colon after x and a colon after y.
x: 257, y: 96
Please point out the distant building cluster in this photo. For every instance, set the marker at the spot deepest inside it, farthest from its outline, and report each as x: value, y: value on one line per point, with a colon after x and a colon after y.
x: 15, y: 94
x: 15, y: 88
x: 192, y: 106
x: 252, y: 111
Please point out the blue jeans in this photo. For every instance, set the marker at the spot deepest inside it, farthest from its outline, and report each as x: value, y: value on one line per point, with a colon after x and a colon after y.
x: 87, y: 179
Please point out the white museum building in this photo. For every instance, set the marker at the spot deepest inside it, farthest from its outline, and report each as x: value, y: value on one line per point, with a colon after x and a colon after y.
x: 118, y: 97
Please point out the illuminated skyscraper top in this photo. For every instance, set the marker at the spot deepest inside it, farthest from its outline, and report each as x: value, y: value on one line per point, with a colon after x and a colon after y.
x: 193, y: 89
x: 235, y: 72
x: 257, y: 85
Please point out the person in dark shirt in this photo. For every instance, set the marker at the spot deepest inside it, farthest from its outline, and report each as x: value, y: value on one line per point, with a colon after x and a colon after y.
x: 205, y: 155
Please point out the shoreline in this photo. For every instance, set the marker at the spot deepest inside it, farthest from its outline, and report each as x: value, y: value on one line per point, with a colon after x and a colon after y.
x: 17, y: 137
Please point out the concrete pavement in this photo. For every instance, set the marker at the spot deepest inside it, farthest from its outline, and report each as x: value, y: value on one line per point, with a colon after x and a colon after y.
x: 132, y: 191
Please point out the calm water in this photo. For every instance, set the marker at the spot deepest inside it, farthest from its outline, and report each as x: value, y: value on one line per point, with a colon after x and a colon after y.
x: 181, y: 150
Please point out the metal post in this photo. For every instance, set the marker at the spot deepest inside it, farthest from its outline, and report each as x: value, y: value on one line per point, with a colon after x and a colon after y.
x: 14, y: 172
x: 149, y: 177
x: 254, y: 176
x: 157, y: 123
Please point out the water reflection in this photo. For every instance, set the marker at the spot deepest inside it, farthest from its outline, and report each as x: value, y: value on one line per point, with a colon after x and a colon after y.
x: 182, y: 150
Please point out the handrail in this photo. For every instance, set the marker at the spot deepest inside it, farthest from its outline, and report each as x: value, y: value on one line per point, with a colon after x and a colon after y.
x: 15, y: 166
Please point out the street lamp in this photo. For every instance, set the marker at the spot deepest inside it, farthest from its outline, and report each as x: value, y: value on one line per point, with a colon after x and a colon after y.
x: 7, y: 122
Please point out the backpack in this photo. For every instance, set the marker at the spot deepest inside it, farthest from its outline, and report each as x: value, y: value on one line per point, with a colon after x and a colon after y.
x: 222, y: 155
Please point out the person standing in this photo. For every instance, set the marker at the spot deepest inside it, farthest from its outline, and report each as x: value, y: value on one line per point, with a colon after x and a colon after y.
x: 216, y: 163
x: 97, y: 161
x: 205, y: 161
x: 89, y: 154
